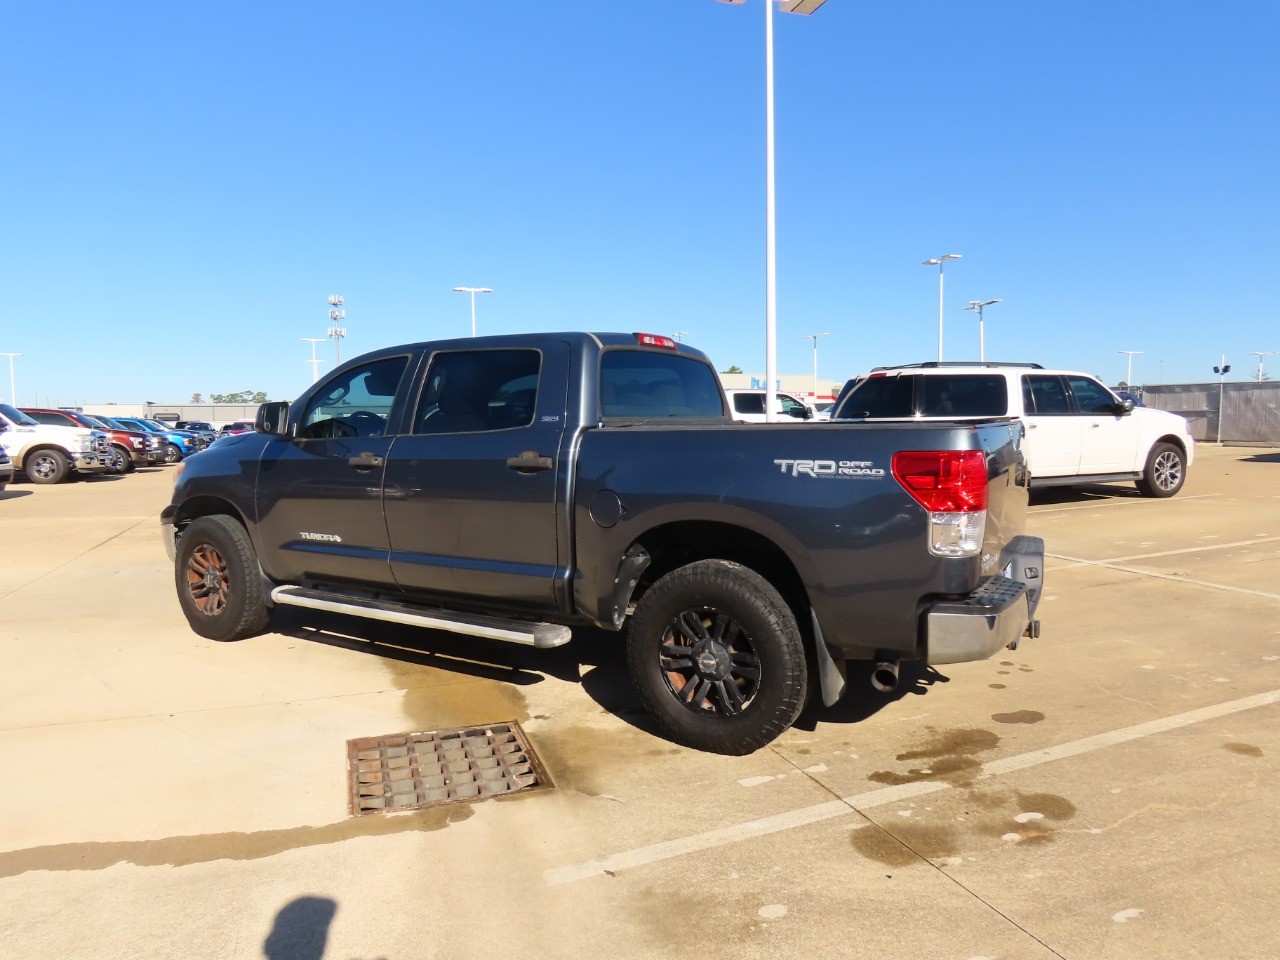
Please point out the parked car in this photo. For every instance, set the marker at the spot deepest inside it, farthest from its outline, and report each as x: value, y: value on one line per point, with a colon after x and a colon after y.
x: 175, y: 444
x: 236, y: 426
x: 6, y: 469
x: 1078, y: 431
x: 128, y: 447
x: 51, y: 454
x: 394, y: 488
x: 202, y: 427
x: 155, y: 443
x: 747, y: 406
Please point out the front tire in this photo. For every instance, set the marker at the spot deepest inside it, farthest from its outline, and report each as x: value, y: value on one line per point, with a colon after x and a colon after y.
x: 716, y: 657
x: 171, y: 453
x: 218, y: 580
x: 1165, y: 472
x: 47, y: 466
x: 120, y: 460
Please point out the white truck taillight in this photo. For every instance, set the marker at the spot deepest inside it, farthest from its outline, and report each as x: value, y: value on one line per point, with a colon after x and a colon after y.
x: 952, y: 486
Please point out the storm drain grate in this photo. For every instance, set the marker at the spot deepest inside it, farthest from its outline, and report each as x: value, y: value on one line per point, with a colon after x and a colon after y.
x: 405, y: 771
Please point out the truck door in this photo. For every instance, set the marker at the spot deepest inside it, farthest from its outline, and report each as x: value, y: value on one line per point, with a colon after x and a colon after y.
x: 1052, y: 444
x: 471, y: 501
x: 320, y: 493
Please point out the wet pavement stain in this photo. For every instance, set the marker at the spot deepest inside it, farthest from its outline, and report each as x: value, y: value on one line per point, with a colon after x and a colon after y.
x: 1051, y: 805
x: 906, y: 845
x: 996, y: 686
x: 1244, y: 749
x: 1018, y: 716
x: 949, y: 757
x: 206, y: 848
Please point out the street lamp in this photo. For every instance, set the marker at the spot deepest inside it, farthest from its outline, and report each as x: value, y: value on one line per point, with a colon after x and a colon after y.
x: 1128, y: 380
x: 939, y: 262
x: 977, y: 306
x: 1221, y: 370
x: 336, y: 332
x: 13, y: 395
x: 814, y: 337
x: 679, y: 337
x: 770, y: 234
x: 473, y: 291
x: 315, y: 364
x: 1260, y: 354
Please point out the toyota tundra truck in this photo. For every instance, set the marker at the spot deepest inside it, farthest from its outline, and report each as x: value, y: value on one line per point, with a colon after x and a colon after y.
x: 516, y: 487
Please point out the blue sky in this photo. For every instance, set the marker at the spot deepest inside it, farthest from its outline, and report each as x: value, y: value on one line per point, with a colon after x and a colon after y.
x: 185, y: 184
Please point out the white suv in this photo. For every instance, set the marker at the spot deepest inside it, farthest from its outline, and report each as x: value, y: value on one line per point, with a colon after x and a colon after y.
x: 747, y: 406
x: 1077, y: 431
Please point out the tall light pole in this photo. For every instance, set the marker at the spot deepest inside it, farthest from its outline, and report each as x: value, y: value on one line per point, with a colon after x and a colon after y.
x: 336, y: 332
x: 1260, y: 354
x: 679, y: 337
x: 13, y: 393
x: 1128, y: 380
x: 473, y: 291
x: 939, y: 262
x: 315, y: 364
x: 770, y: 233
x: 977, y: 306
x: 1221, y: 370
x: 814, y: 337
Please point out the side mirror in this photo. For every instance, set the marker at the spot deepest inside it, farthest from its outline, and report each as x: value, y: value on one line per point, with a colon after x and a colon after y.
x: 272, y: 419
x: 1124, y: 408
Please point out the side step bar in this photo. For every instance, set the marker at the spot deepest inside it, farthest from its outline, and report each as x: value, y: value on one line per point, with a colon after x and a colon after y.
x: 539, y: 635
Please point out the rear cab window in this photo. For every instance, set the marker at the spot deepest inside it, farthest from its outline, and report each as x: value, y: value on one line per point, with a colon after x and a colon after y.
x: 643, y: 385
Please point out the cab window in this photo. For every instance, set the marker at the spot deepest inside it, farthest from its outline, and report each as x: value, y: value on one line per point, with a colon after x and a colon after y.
x: 879, y: 397
x: 475, y: 391
x: 972, y: 395
x: 355, y: 404
x: 640, y: 385
x: 748, y: 403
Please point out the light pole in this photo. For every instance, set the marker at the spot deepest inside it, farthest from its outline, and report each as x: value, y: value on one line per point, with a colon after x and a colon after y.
x: 1221, y: 370
x: 679, y: 337
x: 939, y: 262
x: 1260, y: 354
x: 1128, y: 380
x: 336, y: 332
x: 977, y: 306
x: 814, y: 337
x: 315, y: 364
x: 13, y: 393
x: 473, y: 291
x: 770, y: 234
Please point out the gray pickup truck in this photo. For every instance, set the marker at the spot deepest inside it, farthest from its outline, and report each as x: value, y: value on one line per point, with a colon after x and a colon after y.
x: 516, y: 487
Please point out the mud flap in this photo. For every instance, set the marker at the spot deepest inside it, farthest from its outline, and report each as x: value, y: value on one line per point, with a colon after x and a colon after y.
x: 831, y: 672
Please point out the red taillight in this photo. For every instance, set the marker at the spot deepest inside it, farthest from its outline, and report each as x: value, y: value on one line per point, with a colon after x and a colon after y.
x: 944, y: 481
x: 653, y: 340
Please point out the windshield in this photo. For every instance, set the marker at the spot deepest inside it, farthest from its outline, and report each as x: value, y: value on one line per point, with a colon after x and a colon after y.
x: 157, y: 425
x: 14, y: 415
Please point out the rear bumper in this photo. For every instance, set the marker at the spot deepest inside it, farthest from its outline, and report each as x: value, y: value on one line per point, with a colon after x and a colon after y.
x: 999, y: 612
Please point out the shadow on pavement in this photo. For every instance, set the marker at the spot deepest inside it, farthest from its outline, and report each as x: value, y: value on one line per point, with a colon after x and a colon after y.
x: 301, y: 929
x: 1262, y: 458
x: 15, y: 494
x: 1088, y: 493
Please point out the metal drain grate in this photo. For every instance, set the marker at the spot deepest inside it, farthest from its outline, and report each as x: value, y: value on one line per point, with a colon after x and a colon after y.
x: 405, y: 771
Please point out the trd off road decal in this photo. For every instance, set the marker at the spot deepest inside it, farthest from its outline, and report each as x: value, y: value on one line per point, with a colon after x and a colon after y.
x: 840, y: 469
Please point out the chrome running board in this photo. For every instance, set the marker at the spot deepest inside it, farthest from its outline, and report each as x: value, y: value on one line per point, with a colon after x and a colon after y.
x: 541, y: 635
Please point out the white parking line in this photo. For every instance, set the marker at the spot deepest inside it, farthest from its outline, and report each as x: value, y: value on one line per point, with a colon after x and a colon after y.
x: 1170, y: 553
x: 669, y: 849
x: 1076, y: 562
x: 1117, y: 502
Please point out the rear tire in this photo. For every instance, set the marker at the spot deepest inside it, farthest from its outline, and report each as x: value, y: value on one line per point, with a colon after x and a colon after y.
x: 218, y: 580
x: 717, y: 658
x: 1165, y: 472
x: 47, y: 466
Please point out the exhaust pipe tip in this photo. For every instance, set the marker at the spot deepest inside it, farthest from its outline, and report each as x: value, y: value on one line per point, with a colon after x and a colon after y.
x: 884, y: 676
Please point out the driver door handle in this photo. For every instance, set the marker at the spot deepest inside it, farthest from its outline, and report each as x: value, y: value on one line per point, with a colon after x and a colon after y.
x: 530, y: 461
x: 365, y: 461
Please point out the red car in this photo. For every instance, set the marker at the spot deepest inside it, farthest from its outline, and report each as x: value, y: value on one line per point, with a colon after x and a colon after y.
x: 129, y: 448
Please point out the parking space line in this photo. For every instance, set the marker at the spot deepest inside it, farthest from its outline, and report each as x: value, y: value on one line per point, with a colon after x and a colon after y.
x: 1078, y: 562
x: 1117, y: 502
x: 845, y: 806
x: 1170, y: 553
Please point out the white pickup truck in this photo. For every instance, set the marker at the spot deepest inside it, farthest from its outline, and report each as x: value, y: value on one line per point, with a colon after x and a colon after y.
x: 1077, y: 431
x: 747, y: 406
x: 49, y: 454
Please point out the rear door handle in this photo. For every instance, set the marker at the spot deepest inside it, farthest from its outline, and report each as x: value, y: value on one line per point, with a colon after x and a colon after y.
x: 365, y: 461
x: 530, y: 462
